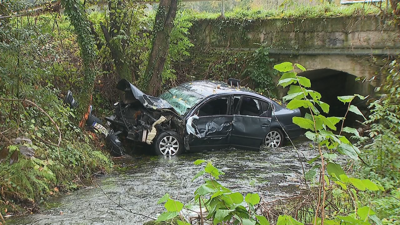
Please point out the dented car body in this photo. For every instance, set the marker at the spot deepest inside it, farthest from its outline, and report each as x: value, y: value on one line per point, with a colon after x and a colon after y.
x: 201, y: 114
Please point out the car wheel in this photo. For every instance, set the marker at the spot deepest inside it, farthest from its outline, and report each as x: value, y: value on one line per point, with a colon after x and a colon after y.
x: 168, y: 144
x: 274, y: 138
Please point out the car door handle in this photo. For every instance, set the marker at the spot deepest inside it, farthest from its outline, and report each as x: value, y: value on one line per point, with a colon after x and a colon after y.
x: 265, y: 125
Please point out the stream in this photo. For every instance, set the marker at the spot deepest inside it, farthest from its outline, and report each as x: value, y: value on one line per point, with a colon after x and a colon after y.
x: 130, y: 196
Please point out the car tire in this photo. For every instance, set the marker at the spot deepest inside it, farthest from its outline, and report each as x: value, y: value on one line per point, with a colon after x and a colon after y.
x: 168, y: 144
x: 274, y: 138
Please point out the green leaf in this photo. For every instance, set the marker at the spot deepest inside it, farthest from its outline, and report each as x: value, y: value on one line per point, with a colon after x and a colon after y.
x: 287, y: 220
x: 220, y: 215
x: 334, y: 170
x: 182, y: 222
x: 212, y: 170
x: 200, y: 173
x: 303, y: 123
x: 252, y: 199
x: 311, y: 135
x: 287, y: 81
x: 357, y: 183
x: 236, y: 197
x: 302, y: 68
x: 284, y: 67
x: 346, y: 99
x: 297, y: 103
x: 310, y: 175
x: 294, y: 89
x: 304, y: 81
x: 297, y: 95
x: 163, y: 199
x: 351, y: 130
x: 365, y: 212
x: 324, y: 106
x: 316, y: 96
x: 288, y: 75
x: 376, y: 220
x: 355, y: 110
x: 262, y: 220
x: 199, y: 161
x: 205, y: 189
x: 348, y: 150
x: 167, y: 216
x: 248, y: 222
x: 370, y: 185
x: 173, y: 206
x: 344, y: 187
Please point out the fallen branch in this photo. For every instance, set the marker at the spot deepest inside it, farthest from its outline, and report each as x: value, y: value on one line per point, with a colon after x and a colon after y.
x: 42, y: 110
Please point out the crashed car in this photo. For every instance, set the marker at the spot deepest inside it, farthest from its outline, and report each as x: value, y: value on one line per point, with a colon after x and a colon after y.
x: 201, y: 115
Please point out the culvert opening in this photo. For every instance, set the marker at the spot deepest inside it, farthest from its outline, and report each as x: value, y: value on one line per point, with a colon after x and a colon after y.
x: 331, y: 84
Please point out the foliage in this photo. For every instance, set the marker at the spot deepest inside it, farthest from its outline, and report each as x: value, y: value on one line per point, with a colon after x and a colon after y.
x: 77, y: 15
x: 297, y: 11
x: 31, y: 68
x: 329, y: 145
x: 382, y: 154
x: 222, y: 204
x: 261, y: 73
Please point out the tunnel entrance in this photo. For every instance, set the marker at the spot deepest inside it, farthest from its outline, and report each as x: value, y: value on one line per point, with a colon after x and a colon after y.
x: 332, y: 83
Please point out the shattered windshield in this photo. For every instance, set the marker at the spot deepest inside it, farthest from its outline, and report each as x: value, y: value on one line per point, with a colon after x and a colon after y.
x: 181, y: 99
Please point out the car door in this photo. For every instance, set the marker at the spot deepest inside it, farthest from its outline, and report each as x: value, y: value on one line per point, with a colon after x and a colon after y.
x: 213, y: 125
x: 251, y: 122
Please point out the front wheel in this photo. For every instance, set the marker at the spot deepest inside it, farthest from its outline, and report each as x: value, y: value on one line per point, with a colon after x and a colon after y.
x: 168, y: 144
x: 274, y: 138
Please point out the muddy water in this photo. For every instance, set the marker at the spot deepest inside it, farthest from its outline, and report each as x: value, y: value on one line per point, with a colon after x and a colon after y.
x: 130, y: 196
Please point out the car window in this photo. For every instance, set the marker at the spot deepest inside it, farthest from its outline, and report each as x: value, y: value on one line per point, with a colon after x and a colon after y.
x: 250, y: 107
x: 214, y: 107
x: 266, y: 108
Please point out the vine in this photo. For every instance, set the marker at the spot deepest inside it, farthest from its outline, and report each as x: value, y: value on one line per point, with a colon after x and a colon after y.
x: 77, y: 15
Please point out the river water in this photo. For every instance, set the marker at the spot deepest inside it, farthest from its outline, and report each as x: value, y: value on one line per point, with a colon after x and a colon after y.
x: 130, y: 196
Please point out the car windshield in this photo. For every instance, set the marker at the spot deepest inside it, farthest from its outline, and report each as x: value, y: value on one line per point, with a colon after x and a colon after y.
x: 181, y: 99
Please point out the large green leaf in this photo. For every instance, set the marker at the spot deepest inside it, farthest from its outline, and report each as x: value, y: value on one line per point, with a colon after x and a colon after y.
x: 297, y: 95
x: 167, y: 216
x: 252, y: 199
x: 324, y: 106
x: 284, y: 67
x: 212, y: 170
x: 370, y: 185
x: 236, y: 197
x: 355, y: 110
x: 348, y: 150
x: 346, y: 99
x: 288, y: 75
x: 262, y: 220
x: 163, y: 199
x: 173, y: 206
x: 365, y: 212
x: 357, y: 183
x: 303, y: 123
x: 287, y: 81
x: 248, y: 222
x: 287, y: 220
x: 220, y: 215
x: 351, y: 130
x: 304, y: 81
x: 334, y: 170
x: 297, y: 103
x: 294, y: 89
x: 302, y: 68
x: 316, y: 96
x: 199, y: 161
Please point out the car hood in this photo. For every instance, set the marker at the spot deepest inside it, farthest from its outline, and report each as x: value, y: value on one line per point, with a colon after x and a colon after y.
x: 133, y: 93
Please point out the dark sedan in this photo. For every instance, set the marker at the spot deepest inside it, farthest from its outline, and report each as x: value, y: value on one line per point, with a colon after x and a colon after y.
x: 202, y: 114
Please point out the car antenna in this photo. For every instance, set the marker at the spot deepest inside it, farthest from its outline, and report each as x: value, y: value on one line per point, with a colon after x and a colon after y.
x: 233, y: 81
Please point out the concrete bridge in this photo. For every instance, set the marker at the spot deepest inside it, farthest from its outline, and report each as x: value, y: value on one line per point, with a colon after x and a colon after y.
x: 334, y: 50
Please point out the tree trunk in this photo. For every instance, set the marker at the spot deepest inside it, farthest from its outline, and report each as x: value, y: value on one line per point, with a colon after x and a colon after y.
x: 163, y: 25
x: 77, y: 16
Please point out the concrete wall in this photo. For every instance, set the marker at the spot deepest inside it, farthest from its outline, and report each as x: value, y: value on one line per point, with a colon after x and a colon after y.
x: 345, y: 43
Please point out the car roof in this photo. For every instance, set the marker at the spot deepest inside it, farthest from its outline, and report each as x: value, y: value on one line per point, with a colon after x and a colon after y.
x: 207, y: 88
